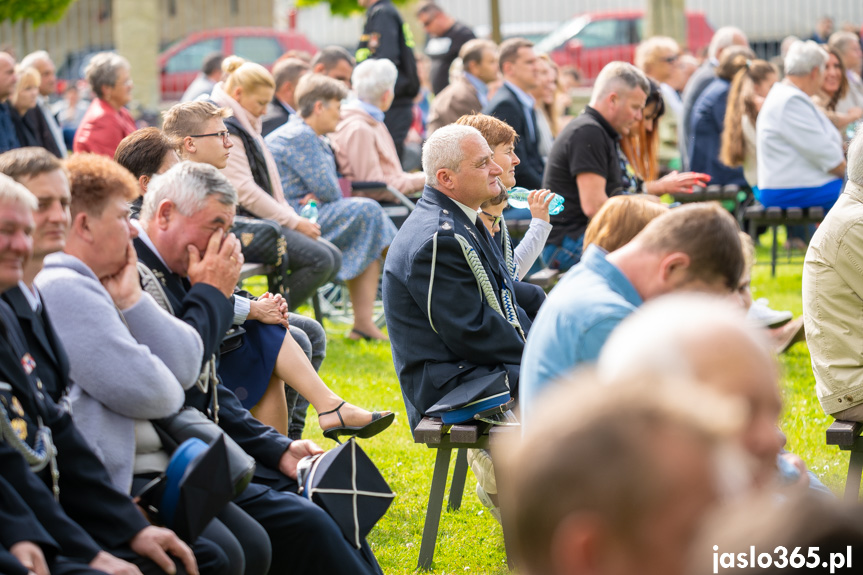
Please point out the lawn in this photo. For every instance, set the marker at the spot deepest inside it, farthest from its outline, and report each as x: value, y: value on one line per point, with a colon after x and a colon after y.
x: 470, y: 540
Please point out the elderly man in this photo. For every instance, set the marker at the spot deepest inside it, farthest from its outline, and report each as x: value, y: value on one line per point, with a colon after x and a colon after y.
x: 364, y: 149
x: 287, y: 74
x: 800, y: 158
x: 832, y: 292
x: 692, y: 248
x: 48, y: 131
x: 445, y: 39
x: 513, y: 104
x: 584, y: 163
x: 614, y: 483
x: 107, y: 121
x: 443, y: 335
x: 335, y: 62
x: 722, y: 39
x: 468, y: 94
x: 182, y: 238
x: 114, y: 525
x: 8, y: 79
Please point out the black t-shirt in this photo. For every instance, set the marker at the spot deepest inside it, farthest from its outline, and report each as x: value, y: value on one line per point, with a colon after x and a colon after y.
x: 588, y: 144
x: 443, y: 50
x: 386, y: 36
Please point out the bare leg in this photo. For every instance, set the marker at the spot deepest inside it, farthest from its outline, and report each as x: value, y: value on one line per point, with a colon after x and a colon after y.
x: 271, y: 409
x: 363, y: 290
x: 294, y: 368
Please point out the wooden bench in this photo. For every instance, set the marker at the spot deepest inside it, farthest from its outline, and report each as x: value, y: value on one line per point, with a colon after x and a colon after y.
x: 444, y: 438
x: 252, y: 270
x: 758, y: 215
x: 846, y: 435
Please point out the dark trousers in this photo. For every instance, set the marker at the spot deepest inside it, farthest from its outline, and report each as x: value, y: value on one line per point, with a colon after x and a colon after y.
x: 312, y: 263
x: 304, y: 538
x: 312, y: 339
x: 398, y: 120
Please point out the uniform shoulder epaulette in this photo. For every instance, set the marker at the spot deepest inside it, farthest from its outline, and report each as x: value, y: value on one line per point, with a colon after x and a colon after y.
x: 446, y: 223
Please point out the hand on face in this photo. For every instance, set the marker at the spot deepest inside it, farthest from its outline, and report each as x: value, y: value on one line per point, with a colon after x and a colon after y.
x: 220, y: 264
x: 124, y: 286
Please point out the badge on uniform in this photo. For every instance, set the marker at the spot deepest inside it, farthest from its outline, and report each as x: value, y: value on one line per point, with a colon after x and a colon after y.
x: 28, y: 363
x: 374, y: 41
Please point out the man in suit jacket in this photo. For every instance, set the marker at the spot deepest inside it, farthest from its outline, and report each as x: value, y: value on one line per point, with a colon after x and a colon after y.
x: 44, y: 176
x: 442, y: 334
x: 197, y: 264
x: 41, y: 118
x: 468, y: 94
x: 287, y: 74
x: 111, y: 520
x: 514, y: 105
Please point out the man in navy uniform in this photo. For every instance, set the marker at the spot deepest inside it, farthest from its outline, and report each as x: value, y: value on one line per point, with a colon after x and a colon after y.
x: 109, y: 518
x: 183, y: 239
x: 451, y: 308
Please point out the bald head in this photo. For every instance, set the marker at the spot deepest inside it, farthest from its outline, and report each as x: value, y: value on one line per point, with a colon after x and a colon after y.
x: 7, y: 76
x: 704, y: 339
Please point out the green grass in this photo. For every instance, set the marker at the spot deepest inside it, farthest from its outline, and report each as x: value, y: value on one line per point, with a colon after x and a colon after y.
x: 470, y: 540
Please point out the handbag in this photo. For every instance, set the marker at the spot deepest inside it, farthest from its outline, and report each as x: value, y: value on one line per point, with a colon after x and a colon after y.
x: 262, y: 242
x: 190, y: 423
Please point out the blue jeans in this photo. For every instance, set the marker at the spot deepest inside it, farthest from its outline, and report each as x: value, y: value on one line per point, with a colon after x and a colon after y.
x: 312, y: 339
x: 563, y: 257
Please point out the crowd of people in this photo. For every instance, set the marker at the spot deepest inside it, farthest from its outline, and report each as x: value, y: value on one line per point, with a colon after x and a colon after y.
x: 122, y: 254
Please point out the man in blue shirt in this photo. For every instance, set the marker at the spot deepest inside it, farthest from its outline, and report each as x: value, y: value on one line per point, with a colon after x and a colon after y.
x: 692, y: 248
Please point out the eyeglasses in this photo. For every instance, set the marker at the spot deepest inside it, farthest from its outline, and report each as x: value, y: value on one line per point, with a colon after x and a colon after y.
x: 495, y: 220
x: 224, y: 135
x: 671, y: 59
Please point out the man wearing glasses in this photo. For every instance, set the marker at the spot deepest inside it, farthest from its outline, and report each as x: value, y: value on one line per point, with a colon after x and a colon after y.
x: 199, y: 128
x: 444, y: 39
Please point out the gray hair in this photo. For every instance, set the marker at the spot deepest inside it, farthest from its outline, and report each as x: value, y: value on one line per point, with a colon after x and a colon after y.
x: 443, y: 150
x: 650, y: 342
x: 373, y: 78
x: 289, y: 70
x: 32, y: 58
x: 187, y: 185
x: 331, y: 56
x: 618, y: 77
x: 841, y: 41
x: 855, y: 159
x: 103, y: 70
x: 803, y: 57
x: 722, y: 39
x: 313, y: 88
x: 11, y: 192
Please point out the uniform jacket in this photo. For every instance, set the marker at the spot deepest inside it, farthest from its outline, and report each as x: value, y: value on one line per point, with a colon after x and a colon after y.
x: 207, y: 310
x: 386, y: 36
x: 454, y: 101
x: 42, y: 343
x: 86, y: 493
x: 277, y: 115
x: 506, y: 106
x: 468, y: 339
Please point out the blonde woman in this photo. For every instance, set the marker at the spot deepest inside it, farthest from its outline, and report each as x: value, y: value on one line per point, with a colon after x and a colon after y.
x: 22, y: 100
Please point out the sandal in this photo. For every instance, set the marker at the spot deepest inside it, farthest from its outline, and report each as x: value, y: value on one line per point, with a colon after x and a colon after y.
x: 378, y: 423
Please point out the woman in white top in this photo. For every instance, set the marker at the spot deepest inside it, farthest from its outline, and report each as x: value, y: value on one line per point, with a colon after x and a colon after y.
x: 800, y: 157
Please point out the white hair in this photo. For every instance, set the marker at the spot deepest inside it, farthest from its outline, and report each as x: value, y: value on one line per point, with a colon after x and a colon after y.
x: 722, y: 39
x: 187, y: 185
x: 32, y: 58
x: 443, y: 149
x: 652, y: 341
x: 103, y: 70
x: 855, y: 158
x: 618, y: 77
x: 647, y: 51
x: 374, y: 78
x: 803, y: 57
x: 11, y: 192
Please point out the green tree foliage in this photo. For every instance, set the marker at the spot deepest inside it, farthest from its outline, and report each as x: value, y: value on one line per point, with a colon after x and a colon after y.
x: 38, y: 11
x: 342, y: 7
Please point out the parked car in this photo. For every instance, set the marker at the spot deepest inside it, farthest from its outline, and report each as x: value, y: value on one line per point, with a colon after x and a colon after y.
x: 590, y: 41
x: 180, y: 63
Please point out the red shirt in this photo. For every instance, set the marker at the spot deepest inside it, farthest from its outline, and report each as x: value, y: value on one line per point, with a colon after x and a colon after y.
x: 102, y: 129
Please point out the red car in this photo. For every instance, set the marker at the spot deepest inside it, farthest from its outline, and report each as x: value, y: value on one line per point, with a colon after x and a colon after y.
x: 590, y: 41
x: 180, y: 63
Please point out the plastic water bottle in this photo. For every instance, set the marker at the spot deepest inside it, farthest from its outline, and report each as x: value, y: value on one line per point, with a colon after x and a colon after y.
x: 310, y: 211
x: 518, y: 199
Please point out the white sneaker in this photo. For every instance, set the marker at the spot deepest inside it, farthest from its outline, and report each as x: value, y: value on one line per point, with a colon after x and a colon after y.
x: 487, y: 502
x: 761, y: 315
x: 483, y: 469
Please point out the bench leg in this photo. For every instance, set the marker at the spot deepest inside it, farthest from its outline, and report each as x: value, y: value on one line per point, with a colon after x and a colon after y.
x: 852, y: 481
x: 773, y: 250
x: 433, y: 511
x: 456, y: 488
